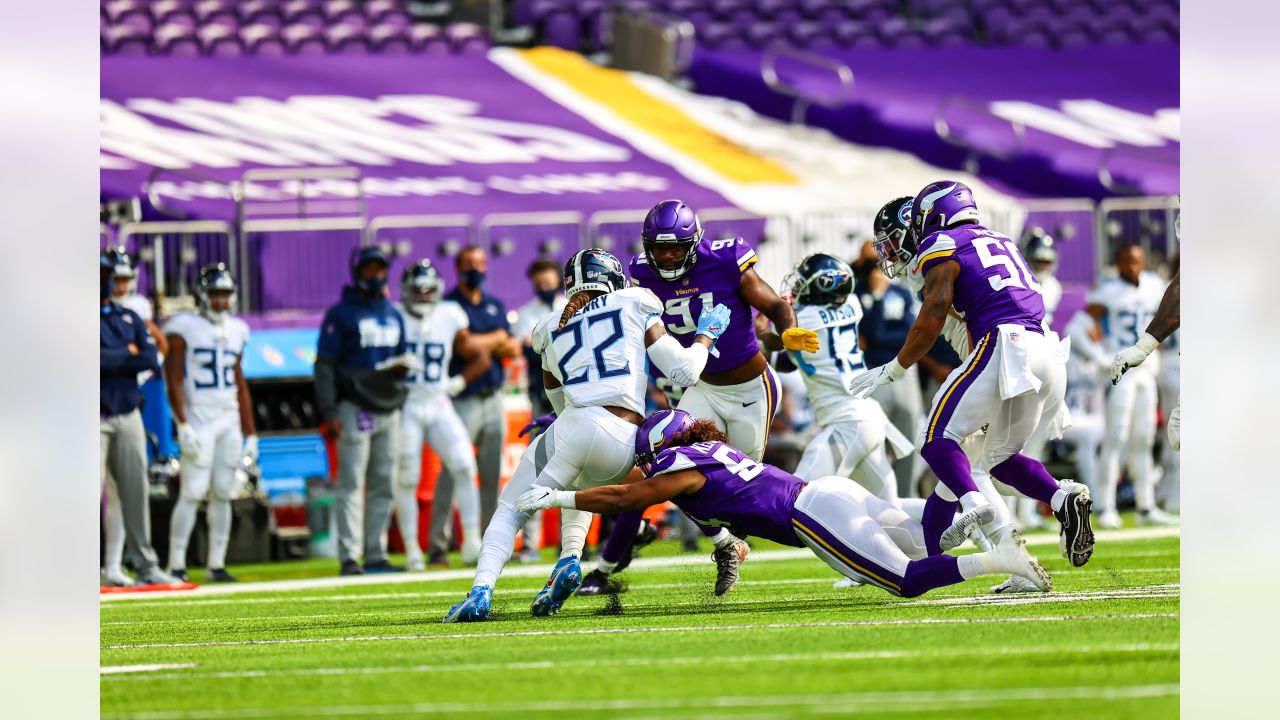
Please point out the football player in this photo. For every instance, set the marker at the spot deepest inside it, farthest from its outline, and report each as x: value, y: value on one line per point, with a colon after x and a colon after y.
x: 593, y: 357
x: 970, y: 272
x: 855, y: 437
x: 860, y: 536
x: 1122, y: 305
x: 435, y: 330
x: 737, y: 389
x: 1040, y: 250
x: 210, y: 401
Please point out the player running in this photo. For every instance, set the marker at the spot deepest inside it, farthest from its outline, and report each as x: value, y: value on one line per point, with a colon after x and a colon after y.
x: 980, y: 275
x: 210, y: 401
x: 593, y: 358
x: 1121, y: 305
x: 737, y: 390
x: 434, y: 331
x: 860, y: 536
x: 854, y: 435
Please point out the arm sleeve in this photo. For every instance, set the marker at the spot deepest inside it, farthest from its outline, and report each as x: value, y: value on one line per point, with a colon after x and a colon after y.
x: 113, y: 358
x: 326, y: 387
x: 957, y: 335
x: 682, y: 364
x: 330, y: 342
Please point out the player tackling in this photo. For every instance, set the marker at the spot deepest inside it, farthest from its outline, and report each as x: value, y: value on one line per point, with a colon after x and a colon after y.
x: 593, y: 357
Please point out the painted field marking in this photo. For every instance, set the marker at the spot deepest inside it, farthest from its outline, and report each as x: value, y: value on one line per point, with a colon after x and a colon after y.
x: 116, y: 670
x: 698, y: 660
x: 542, y: 570
x: 628, y: 630
x: 841, y: 700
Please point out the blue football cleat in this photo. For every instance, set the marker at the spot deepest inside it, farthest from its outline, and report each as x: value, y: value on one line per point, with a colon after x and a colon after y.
x: 565, y: 579
x: 474, y: 609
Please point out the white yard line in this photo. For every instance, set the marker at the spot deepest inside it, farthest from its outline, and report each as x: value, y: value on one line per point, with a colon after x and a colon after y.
x: 1140, y: 592
x: 121, y: 669
x: 628, y: 630
x: 842, y: 701
x: 542, y: 570
x: 697, y: 660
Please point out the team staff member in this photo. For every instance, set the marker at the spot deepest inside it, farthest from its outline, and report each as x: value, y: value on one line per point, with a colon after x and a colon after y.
x: 480, y: 404
x: 360, y: 360
x: 126, y: 349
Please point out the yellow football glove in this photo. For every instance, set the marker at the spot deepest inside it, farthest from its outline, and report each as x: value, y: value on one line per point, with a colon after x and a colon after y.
x: 800, y: 339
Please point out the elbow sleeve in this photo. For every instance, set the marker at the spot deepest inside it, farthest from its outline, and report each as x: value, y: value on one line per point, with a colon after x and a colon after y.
x: 683, y: 365
x: 556, y: 397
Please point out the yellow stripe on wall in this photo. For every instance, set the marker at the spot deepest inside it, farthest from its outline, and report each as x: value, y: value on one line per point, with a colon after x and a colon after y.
x: 614, y: 90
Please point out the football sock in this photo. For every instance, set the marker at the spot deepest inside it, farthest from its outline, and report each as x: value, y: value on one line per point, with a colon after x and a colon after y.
x: 722, y: 538
x: 219, y: 516
x: 1028, y: 477
x: 950, y: 464
x: 623, y: 536
x: 605, y: 568
x: 975, y: 564
x: 937, y: 517
x: 932, y: 572
x: 499, y: 542
x: 406, y: 500
x: 180, y: 526
x: 574, y: 525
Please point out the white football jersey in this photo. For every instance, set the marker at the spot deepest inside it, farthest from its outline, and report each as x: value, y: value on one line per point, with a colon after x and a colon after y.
x: 213, y: 351
x: 1130, y: 309
x: 431, y: 338
x: 531, y: 313
x: 599, y: 357
x: 827, y: 373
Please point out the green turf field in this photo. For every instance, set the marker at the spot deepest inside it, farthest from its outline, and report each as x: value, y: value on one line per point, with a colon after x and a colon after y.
x: 784, y: 643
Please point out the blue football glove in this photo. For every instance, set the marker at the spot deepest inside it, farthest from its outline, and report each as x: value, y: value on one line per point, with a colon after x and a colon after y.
x: 714, y: 322
x: 542, y: 422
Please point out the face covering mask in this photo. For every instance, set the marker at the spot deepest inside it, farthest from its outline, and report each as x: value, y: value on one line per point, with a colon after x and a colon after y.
x: 372, y: 288
x: 547, y: 296
x: 473, y: 279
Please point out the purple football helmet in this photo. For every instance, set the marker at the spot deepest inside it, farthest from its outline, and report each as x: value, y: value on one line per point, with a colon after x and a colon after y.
x: 941, y: 205
x: 656, y: 432
x: 671, y: 224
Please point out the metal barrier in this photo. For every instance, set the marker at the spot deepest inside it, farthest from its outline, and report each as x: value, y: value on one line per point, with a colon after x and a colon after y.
x: 650, y: 42
x: 803, y: 98
x: 1147, y: 221
x: 1071, y: 224
x: 943, y: 129
x: 169, y: 252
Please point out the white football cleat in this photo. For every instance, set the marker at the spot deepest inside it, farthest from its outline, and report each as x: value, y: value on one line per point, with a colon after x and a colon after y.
x: 1110, y: 520
x: 1013, y: 558
x: 116, y: 577
x: 1156, y: 516
x: 964, y: 525
x: 415, y: 564
x: 847, y: 583
x: 1015, y: 584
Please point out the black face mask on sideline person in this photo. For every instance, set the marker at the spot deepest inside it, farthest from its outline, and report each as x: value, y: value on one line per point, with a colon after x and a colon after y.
x: 473, y: 279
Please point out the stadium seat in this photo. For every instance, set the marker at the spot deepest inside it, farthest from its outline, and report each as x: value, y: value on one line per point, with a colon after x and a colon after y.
x: 303, y: 39
x: 561, y: 28
x: 467, y: 39
x: 346, y: 39
x: 219, y: 40
x: 124, y: 40
x: 208, y: 12
x: 298, y: 12
x: 389, y: 38
x: 425, y: 38
x: 263, y: 40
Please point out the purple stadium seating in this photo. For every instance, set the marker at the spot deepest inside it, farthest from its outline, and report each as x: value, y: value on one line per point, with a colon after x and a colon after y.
x: 427, y: 39
x: 219, y: 40
x: 465, y: 38
x: 303, y: 40
x: 125, y: 40
x: 346, y: 39
x: 561, y: 27
x: 263, y: 40
x: 389, y: 38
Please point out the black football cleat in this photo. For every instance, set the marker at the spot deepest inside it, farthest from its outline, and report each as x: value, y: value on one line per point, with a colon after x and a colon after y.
x: 597, y: 583
x: 728, y: 559
x: 220, y: 575
x: 1075, y: 540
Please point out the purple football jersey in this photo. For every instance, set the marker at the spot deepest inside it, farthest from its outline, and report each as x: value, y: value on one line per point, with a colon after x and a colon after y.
x: 714, y: 278
x: 994, y: 287
x: 748, y: 497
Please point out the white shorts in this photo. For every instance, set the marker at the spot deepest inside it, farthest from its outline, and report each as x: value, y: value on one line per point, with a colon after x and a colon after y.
x: 854, y: 449
x: 221, y: 447
x: 432, y: 417
x: 1004, y: 385
x: 859, y: 535
x: 584, y: 448
x: 743, y: 411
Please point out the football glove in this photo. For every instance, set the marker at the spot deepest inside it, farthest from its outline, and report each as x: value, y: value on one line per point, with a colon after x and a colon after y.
x: 868, y: 382
x: 251, y: 448
x: 543, y: 421
x: 714, y: 322
x: 541, y: 498
x: 455, y: 385
x: 1132, y: 356
x: 188, y: 442
x: 800, y: 339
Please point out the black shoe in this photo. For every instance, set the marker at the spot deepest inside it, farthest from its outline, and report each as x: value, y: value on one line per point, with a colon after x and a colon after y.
x: 597, y: 583
x: 691, y: 545
x: 648, y: 533
x: 219, y: 575
x: 437, y: 559
x: 728, y: 559
x: 351, y: 567
x: 180, y: 575
x: 1075, y: 540
x: 383, y: 566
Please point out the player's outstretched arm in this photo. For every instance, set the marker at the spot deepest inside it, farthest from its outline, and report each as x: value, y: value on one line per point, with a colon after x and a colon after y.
x: 936, y: 298
x: 614, y: 498
x: 760, y: 296
x: 1168, y: 318
x: 684, y: 365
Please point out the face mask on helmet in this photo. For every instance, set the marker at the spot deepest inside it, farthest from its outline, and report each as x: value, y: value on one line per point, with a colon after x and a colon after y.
x: 823, y: 280
x: 655, y: 434
x: 422, y: 299
x: 670, y: 237
x: 893, y: 243
x: 219, y: 304
x: 593, y: 270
